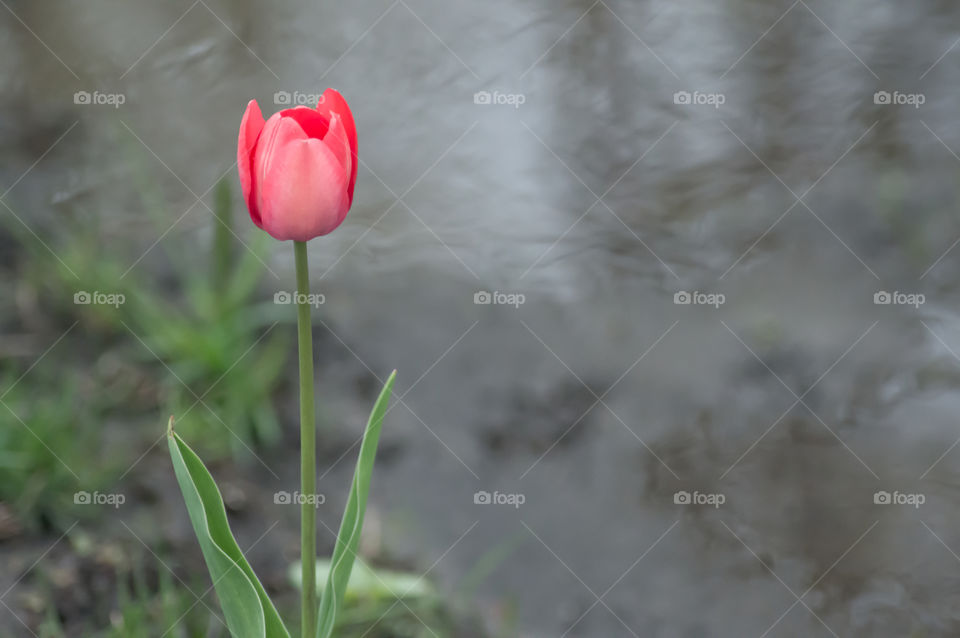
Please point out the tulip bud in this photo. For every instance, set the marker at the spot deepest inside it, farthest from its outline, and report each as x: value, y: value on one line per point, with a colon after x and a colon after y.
x: 298, y: 168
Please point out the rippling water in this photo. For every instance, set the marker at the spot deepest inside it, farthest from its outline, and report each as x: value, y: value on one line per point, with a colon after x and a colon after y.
x: 599, y: 197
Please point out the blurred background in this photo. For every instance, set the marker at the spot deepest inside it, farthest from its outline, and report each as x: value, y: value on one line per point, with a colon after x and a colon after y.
x: 670, y: 288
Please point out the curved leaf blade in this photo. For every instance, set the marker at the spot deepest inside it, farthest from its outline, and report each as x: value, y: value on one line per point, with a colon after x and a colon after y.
x: 348, y: 538
x: 246, y: 607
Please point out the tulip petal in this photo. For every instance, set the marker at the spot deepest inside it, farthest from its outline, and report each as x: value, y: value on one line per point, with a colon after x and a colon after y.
x: 314, y: 124
x: 333, y: 102
x: 336, y: 140
x: 250, y: 127
x: 302, y: 183
x: 277, y: 131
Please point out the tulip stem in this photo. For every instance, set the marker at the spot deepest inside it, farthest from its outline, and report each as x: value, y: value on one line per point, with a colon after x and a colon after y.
x: 308, y: 448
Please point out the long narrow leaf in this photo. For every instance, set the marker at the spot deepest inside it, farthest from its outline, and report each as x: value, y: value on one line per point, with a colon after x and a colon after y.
x: 248, y: 611
x: 349, y: 537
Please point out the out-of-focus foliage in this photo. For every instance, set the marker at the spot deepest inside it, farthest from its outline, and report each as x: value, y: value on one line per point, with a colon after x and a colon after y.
x: 51, y: 448
x: 205, y: 344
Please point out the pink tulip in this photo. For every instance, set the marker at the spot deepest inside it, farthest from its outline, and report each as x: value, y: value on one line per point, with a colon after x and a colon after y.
x: 298, y: 168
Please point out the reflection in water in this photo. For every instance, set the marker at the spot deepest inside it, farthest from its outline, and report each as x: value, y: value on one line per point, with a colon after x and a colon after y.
x: 798, y: 199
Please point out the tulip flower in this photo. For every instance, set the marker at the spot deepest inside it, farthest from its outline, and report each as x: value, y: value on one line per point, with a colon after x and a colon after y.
x: 297, y: 171
x: 298, y: 168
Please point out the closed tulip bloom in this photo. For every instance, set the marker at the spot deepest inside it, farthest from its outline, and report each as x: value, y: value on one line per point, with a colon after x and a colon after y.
x: 298, y: 168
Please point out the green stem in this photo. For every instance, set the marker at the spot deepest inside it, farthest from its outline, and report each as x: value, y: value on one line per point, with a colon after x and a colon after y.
x: 222, y: 248
x: 308, y: 448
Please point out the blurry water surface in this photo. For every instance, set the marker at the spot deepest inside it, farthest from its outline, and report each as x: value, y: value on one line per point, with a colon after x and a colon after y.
x: 591, y: 188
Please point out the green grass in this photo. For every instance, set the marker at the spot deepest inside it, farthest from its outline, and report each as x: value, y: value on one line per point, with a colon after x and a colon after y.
x: 204, y: 339
x: 51, y: 446
x: 143, y: 603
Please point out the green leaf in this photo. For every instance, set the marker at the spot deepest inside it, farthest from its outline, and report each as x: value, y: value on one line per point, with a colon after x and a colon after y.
x: 348, y: 539
x: 367, y: 583
x: 246, y: 607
